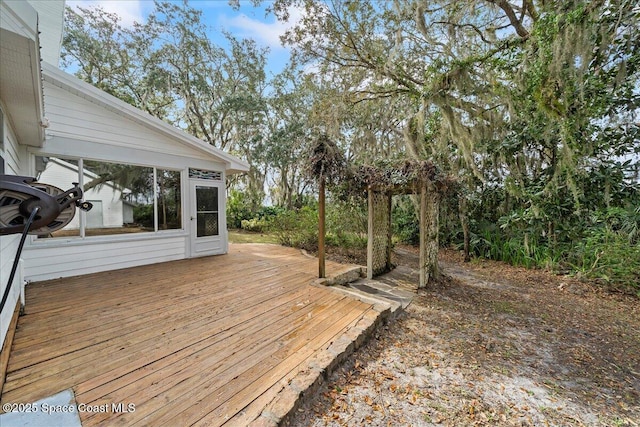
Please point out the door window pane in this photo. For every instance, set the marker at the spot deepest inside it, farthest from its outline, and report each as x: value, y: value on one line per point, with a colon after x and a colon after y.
x: 207, y: 211
x: 207, y: 224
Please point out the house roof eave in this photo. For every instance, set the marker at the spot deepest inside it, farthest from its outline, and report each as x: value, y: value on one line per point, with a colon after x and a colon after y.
x: 80, y: 88
x: 20, y: 73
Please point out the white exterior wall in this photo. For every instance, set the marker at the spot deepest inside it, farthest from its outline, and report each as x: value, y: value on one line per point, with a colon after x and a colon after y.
x: 75, y: 117
x: 19, y: 18
x: 112, y: 210
x: 50, y: 23
x: 80, y: 128
x: 95, y: 254
x: 15, y: 160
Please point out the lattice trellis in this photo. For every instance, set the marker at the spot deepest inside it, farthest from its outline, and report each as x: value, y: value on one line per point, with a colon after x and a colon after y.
x: 379, y: 235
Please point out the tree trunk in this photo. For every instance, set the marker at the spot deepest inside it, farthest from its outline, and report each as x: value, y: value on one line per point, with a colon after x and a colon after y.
x: 464, y: 221
x: 429, y: 210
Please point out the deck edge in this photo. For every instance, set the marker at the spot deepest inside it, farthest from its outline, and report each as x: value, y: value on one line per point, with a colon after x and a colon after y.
x: 6, y: 346
x: 307, y: 383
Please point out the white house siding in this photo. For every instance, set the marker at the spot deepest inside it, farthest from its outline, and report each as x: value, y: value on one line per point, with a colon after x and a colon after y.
x: 73, y: 147
x: 14, y: 156
x: 80, y: 128
x: 60, y: 257
x: 112, y: 213
x: 18, y: 17
x: 72, y: 116
x: 50, y: 22
x: 47, y: 261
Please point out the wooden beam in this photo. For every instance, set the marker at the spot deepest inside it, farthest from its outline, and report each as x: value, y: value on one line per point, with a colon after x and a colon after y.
x: 321, y: 230
x: 6, y: 347
x: 389, y: 231
x: 370, y: 231
x: 464, y: 221
x: 423, y: 243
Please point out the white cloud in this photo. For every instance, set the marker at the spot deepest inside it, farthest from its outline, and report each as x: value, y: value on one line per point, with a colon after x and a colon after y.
x: 130, y: 11
x: 265, y: 33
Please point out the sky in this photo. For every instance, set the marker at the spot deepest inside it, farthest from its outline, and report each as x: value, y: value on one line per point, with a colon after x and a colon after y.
x: 248, y: 22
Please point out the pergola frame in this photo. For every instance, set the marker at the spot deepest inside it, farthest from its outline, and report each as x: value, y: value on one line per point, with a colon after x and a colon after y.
x: 379, y: 232
x: 327, y: 164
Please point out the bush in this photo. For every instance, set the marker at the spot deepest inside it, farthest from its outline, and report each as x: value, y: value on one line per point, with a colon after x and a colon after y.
x: 267, y: 213
x: 405, y: 222
x: 255, y: 225
x: 609, y: 257
x: 605, y: 248
x: 296, y: 228
x: 347, y: 224
x: 237, y: 209
x: 143, y: 215
x: 347, y: 240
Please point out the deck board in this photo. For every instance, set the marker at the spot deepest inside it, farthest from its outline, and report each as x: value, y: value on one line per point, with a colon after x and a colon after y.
x: 203, y: 341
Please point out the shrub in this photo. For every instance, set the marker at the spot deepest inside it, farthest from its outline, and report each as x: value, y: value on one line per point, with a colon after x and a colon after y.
x: 404, y: 221
x: 608, y: 257
x: 255, y: 225
x: 269, y: 212
x: 143, y: 215
x: 237, y: 209
x: 347, y: 223
x: 297, y: 228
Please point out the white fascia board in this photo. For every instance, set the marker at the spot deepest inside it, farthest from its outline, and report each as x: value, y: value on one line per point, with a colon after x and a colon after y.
x: 76, y: 86
x: 21, y: 85
x: 19, y: 17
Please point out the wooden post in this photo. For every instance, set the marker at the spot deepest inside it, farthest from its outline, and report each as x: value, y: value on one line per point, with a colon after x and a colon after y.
x: 370, y: 231
x: 321, y: 229
x: 423, y: 244
x: 389, y: 232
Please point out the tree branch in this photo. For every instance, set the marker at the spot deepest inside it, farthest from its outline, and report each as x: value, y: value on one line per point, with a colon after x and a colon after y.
x: 513, y: 19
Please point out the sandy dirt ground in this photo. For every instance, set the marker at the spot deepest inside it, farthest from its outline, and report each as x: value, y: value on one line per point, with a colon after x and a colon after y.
x: 492, y: 344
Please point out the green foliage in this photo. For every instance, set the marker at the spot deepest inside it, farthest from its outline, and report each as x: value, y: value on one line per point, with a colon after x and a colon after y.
x: 404, y: 221
x: 237, y: 209
x: 261, y: 221
x: 266, y: 213
x: 255, y: 225
x: 605, y: 247
x: 607, y: 256
x: 523, y: 251
x: 347, y: 223
x: 143, y: 215
x: 297, y: 228
x: 610, y: 249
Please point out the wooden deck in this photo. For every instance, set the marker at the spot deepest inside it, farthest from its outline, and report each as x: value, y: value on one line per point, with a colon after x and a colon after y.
x: 206, y: 341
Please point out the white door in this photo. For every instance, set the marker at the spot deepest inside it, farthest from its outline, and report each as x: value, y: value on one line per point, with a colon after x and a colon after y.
x: 208, y: 222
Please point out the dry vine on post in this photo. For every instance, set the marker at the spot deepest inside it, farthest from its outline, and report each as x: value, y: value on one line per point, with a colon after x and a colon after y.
x: 326, y: 165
